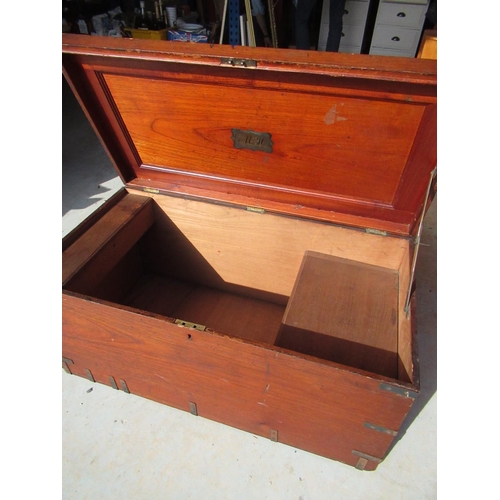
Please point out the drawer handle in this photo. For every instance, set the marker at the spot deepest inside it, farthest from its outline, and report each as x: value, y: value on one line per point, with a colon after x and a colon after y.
x: 401, y: 14
x: 395, y: 38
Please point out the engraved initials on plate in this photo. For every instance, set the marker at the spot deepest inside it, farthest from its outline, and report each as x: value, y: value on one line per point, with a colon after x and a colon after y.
x: 255, y: 141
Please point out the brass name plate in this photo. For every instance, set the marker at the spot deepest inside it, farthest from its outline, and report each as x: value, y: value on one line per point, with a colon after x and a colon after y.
x: 255, y: 141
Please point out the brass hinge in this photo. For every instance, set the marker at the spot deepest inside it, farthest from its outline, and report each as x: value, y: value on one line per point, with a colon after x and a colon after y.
x: 151, y: 190
x: 188, y: 324
x: 256, y: 210
x: 238, y: 63
x: 376, y: 231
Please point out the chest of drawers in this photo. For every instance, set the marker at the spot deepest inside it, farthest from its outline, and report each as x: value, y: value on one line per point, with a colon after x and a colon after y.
x: 398, y: 27
x: 354, y: 23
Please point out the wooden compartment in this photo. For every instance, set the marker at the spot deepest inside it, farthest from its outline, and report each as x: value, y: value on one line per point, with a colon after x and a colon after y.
x: 345, y: 311
x: 165, y: 257
x: 139, y: 256
x: 256, y: 268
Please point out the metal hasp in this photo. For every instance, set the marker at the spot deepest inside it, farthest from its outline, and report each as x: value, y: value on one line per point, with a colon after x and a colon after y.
x: 238, y: 63
x: 417, y: 243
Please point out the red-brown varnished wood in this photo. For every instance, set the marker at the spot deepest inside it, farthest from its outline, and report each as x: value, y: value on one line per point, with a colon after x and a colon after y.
x: 91, y: 257
x: 333, y: 146
x: 424, y: 152
x: 347, y: 132
x: 313, y: 405
x: 347, y: 65
x: 228, y: 313
x: 381, y: 218
x: 236, y: 315
x: 89, y: 221
x: 344, y: 311
x: 343, y: 143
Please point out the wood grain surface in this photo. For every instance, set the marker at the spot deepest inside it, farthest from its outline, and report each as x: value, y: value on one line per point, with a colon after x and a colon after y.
x: 344, y: 311
x: 98, y: 250
x: 347, y: 132
x: 218, y: 245
x: 220, y: 235
x: 351, y: 147
x: 317, y: 406
x: 236, y: 315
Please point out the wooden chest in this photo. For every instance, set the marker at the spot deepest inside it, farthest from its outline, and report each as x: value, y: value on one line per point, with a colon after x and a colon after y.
x: 257, y: 268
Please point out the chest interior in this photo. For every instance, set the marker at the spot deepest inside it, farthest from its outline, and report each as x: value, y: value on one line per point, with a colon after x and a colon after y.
x: 325, y: 145
x: 312, y: 288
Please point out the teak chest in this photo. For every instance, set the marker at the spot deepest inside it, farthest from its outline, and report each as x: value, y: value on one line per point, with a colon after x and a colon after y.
x: 257, y: 267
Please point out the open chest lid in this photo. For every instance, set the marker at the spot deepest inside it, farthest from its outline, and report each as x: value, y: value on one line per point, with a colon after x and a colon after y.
x: 344, y: 138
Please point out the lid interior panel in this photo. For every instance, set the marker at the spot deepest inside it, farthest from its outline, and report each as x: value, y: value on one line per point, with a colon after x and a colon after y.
x: 338, y: 145
x: 348, y: 143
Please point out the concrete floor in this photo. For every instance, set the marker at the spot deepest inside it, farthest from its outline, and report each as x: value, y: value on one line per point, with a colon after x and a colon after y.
x: 120, y: 446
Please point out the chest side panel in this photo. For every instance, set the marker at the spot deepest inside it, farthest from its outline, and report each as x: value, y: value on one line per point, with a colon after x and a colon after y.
x: 316, y: 407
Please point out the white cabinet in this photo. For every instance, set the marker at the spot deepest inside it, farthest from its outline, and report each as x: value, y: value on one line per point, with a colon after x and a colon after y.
x: 398, y: 27
x: 353, y: 30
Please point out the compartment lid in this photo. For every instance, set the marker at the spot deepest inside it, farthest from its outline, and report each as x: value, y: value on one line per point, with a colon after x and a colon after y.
x: 344, y: 138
